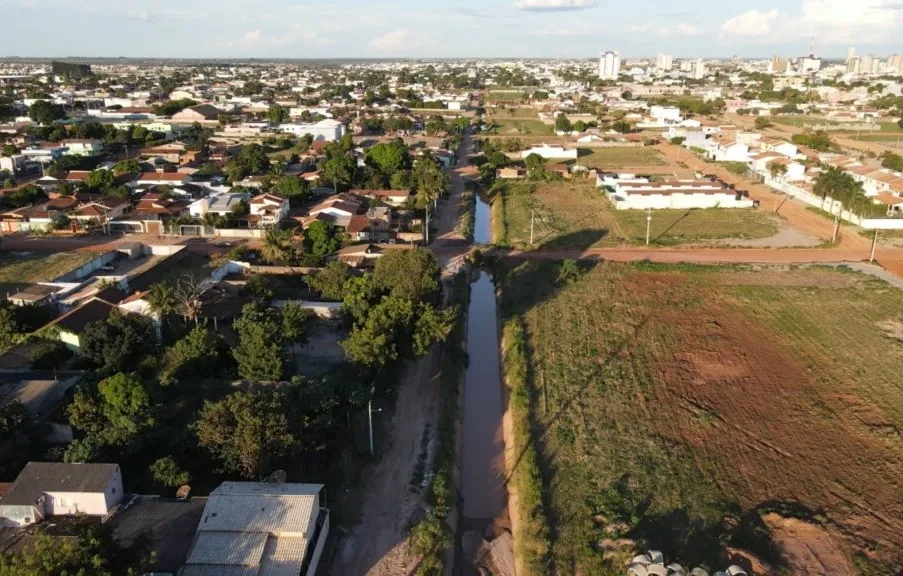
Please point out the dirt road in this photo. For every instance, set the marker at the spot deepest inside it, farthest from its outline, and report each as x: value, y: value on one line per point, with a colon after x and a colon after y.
x: 377, y: 546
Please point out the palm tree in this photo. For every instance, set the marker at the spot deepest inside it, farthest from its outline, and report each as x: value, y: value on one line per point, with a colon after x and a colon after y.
x: 277, y: 246
x: 777, y: 170
x: 832, y: 182
x: 162, y: 300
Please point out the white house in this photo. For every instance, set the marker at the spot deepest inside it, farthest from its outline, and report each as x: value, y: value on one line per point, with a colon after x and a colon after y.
x: 724, y: 150
x: 45, y: 153
x: 269, y: 209
x: 329, y: 130
x: 221, y: 204
x: 46, y: 489
x: 676, y: 194
x: 396, y: 198
x: 551, y: 152
x: 83, y: 146
x: 260, y: 528
x: 162, y: 179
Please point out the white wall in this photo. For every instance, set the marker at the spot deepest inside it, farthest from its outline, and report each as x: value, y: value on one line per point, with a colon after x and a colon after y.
x: 318, y: 550
x: 678, y: 201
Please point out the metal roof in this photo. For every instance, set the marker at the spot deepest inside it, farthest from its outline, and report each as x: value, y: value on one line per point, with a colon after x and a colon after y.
x: 38, y: 478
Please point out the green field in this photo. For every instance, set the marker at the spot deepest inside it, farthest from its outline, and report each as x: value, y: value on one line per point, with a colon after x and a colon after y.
x: 619, y: 158
x: 579, y: 216
x: 19, y: 269
x: 673, y: 406
x: 518, y: 126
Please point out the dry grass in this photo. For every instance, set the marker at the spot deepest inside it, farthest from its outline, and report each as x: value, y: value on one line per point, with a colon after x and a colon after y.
x: 621, y: 158
x: 18, y: 269
x: 670, y: 398
x: 579, y: 216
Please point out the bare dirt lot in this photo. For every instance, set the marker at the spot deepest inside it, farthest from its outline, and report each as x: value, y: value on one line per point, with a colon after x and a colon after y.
x: 686, y: 404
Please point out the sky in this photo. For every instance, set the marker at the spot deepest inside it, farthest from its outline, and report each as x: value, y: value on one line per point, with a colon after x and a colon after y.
x: 456, y: 28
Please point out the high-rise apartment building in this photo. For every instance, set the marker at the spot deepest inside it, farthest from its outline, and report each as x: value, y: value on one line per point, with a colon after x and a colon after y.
x: 895, y: 64
x: 699, y: 69
x: 664, y: 62
x: 610, y: 65
x: 851, y: 53
x: 778, y: 65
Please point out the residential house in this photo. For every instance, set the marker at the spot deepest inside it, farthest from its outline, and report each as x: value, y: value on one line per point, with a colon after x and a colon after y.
x: 327, y: 130
x: 676, y: 194
x: 268, y: 209
x: 171, y: 152
x: 722, y: 148
x: 551, y: 152
x: 365, y: 255
x: 161, y: 178
x: 45, y: 153
x: 780, y: 146
x: 221, y: 204
x: 198, y: 113
x: 101, y: 210
x: 72, y: 324
x: 396, y: 198
x: 83, y: 146
x: 46, y: 489
x: 510, y: 173
x: 336, y: 209
x: 260, y: 528
x: 373, y: 226
x: 157, y: 206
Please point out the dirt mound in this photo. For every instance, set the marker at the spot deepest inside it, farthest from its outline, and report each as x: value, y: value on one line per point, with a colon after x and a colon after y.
x: 892, y: 329
x: 809, y: 549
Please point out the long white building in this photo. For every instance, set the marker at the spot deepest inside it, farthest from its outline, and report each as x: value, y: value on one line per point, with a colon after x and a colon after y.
x: 610, y: 65
x: 675, y: 194
x: 329, y: 130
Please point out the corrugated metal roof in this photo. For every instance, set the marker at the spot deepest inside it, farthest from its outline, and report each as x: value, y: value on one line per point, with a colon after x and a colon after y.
x: 258, y: 513
x: 228, y: 548
x: 210, y: 570
x: 40, y: 477
x: 283, y: 556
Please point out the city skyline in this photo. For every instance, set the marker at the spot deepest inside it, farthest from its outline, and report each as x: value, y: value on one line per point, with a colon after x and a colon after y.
x: 399, y: 29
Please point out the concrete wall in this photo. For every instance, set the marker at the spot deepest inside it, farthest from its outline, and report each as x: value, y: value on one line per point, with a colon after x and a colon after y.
x: 240, y: 233
x: 163, y: 249
x: 326, y: 310
x: 882, y: 223
x: 86, y: 269
x: 318, y: 550
x: 678, y: 201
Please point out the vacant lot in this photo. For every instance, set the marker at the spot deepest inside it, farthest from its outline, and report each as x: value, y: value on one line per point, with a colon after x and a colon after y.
x: 520, y: 126
x: 18, y: 269
x: 676, y: 405
x: 579, y: 216
x: 620, y: 158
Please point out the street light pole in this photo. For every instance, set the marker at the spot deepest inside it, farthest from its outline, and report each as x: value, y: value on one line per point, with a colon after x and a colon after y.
x: 648, y: 224
x: 874, y: 243
x: 370, y: 412
x: 532, y: 219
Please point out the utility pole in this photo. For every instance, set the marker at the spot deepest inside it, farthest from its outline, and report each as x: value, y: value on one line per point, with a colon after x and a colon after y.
x: 532, y: 220
x: 874, y: 243
x: 648, y: 224
x: 370, y: 412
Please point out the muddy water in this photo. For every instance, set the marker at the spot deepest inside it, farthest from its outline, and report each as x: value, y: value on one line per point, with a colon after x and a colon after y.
x: 482, y: 458
x: 482, y: 229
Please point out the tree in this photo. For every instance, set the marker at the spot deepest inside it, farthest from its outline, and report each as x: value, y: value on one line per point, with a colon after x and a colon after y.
x: 777, y: 170
x: 409, y: 274
x: 360, y: 294
x: 762, y: 123
x: 94, y: 552
x: 188, y: 292
x: 296, y: 190
x: 277, y: 114
x: 126, y: 167
x: 536, y: 166
x: 166, y: 472
x: 125, y: 405
x: 892, y: 161
x: 294, y: 320
x: 562, y: 124
x: 259, y: 351
x: 44, y: 112
x: 119, y: 342
x: 12, y: 416
x: 338, y: 170
x: 9, y: 150
x: 833, y: 182
x: 329, y: 282
x: 387, y: 158
x: 277, y: 246
x: 162, y: 300
x: 9, y: 328
x: 322, y: 238
x: 622, y: 127
x: 100, y: 180
x: 246, y: 431
x: 251, y: 160
x: 194, y: 356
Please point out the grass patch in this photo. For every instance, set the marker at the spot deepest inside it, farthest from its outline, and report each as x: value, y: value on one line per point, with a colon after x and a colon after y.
x: 19, y: 269
x: 519, y: 126
x: 579, y: 216
x: 467, y: 214
x: 669, y: 399
x: 531, y: 540
x: 616, y: 158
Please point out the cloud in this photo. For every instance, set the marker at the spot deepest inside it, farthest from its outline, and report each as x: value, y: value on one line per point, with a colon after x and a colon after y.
x: 256, y: 38
x: 831, y: 22
x: 751, y: 24
x: 401, y: 40
x: 640, y: 28
x: 143, y: 17
x: 554, y: 5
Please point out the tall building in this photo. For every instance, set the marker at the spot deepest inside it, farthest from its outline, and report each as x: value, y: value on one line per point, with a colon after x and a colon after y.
x: 699, y: 69
x: 853, y: 65
x: 778, y: 65
x: 810, y: 63
x: 869, y: 65
x: 851, y: 53
x: 610, y: 65
x: 687, y: 65
x: 664, y: 62
x: 895, y: 64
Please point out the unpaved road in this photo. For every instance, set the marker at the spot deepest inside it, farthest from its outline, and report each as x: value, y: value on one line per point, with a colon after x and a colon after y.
x: 377, y: 545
